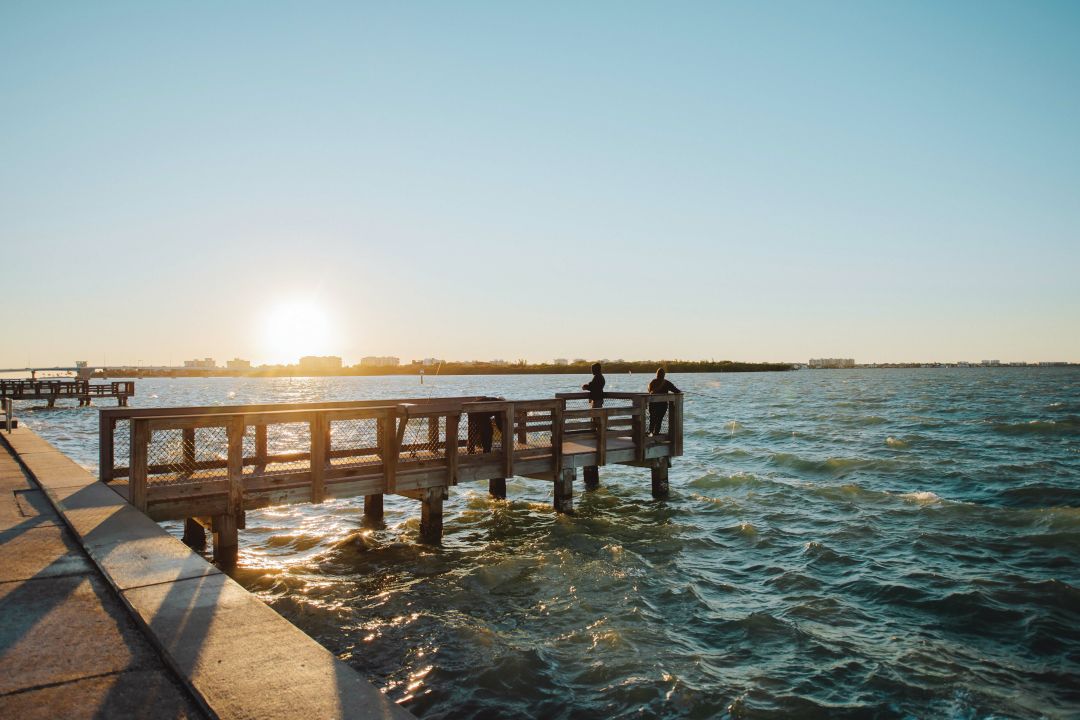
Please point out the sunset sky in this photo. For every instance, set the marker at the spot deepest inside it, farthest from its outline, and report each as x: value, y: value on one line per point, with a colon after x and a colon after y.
x: 747, y: 181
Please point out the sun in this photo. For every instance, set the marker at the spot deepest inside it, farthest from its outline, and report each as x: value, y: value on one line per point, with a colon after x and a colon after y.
x: 295, y: 328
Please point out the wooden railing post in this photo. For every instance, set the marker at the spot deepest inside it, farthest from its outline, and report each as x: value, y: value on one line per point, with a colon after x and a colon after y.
x: 641, y: 424
x: 106, y: 447
x: 557, y: 437
x: 260, y: 448
x: 390, y: 449
x: 188, y: 437
x: 318, y: 457
x: 235, y: 504
x: 601, y: 438
x: 452, y: 422
x: 675, y: 425
x: 137, y: 459
x: 507, y: 431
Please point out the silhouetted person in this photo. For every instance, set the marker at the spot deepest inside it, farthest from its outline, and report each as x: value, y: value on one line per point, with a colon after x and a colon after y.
x: 595, y: 387
x: 657, y: 411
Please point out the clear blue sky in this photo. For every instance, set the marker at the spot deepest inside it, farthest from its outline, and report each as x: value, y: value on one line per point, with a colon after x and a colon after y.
x: 753, y: 181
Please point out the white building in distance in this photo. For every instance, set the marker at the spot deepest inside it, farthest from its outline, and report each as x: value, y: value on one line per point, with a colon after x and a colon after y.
x: 238, y: 364
x: 831, y: 363
x: 204, y: 364
x: 380, y: 361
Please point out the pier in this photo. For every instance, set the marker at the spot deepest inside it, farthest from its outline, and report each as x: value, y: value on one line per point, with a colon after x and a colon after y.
x: 81, y: 390
x: 209, y: 465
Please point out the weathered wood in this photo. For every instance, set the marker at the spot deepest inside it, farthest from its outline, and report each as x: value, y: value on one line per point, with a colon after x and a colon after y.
x: 318, y: 431
x: 640, y: 427
x: 507, y: 430
x: 431, y: 514
x: 592, y: 477
x: 260, y: 447
x: 660, y: 487
x: 373, y: 507
x: 235, y: 506
x: 106, y: 447
x: 139, y: 445
x: 390, y: 451
x: 564, y: 491
x: 194, y: 534
x: 557, y: 434
x: 452, y: 422
x: 497, y: 488
x: 226, y: 539
x: 601, y: 440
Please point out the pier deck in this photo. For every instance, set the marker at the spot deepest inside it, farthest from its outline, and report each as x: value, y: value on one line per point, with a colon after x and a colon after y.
x: 81, y: 390
x: 210, y: 465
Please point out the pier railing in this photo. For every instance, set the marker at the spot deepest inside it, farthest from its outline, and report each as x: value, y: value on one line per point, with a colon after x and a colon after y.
x: 184, y: 462
x: 17, y: 389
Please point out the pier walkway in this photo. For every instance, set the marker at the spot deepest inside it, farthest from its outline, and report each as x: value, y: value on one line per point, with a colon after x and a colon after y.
x: 209, y: 465
x: 81, y: 390
x: 105, y: 615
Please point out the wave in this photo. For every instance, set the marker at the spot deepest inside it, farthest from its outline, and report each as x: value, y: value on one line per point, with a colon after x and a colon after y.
x: 1065, y: 426
x: 834, y: 466
x: 896, y: 442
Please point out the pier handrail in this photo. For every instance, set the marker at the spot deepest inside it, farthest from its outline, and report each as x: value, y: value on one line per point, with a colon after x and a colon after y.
x: 180, y: 458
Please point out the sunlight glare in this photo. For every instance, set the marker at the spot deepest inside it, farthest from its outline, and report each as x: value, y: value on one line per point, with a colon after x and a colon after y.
x: 296, y: 328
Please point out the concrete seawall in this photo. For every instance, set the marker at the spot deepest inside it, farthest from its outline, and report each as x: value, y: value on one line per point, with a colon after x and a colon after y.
x: 230, y: 654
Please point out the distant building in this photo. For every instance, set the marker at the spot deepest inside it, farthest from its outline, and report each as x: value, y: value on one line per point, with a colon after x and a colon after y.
x: 1053, y: 364
x: 991, y: 363
x: 238, y: 364
x: 831, y: 363
x: 320, y: 363
x: 380, y: 361
x: 561, y: 361
x: 498, y: 362
x: 204, y: 364
x: 431, y: 361
x: 581, y: 361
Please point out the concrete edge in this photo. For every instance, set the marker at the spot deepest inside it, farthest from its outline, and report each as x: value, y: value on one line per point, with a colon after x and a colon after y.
x: 226, y: 672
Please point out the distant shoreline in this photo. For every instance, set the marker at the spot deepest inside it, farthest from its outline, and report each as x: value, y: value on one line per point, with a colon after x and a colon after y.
x: 612, y: 367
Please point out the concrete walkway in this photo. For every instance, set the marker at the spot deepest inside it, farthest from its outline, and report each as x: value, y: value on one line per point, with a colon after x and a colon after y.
x: 98, y: 604
x: 68, y: 648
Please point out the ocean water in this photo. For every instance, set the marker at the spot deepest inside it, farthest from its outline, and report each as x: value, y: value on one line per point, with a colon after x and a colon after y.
x: 878, y: 543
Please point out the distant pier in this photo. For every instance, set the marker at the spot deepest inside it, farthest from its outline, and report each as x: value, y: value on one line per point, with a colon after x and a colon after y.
x: 82, y: 391
x: 209, y: 465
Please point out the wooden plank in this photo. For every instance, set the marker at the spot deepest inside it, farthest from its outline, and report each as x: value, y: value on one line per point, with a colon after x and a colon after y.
x: 138, y: 449
x: 390, y: 451
x: 640, y: 428
x: 601, y: 440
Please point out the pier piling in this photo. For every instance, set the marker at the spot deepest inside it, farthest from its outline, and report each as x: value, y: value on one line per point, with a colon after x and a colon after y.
x: 431, y: 514
x: 592, y: 477
x: 564, y: 491
x: 660, y: 477
x: 497, y: 488
x: 194, y: 534
x: 226, y: 539
x: 373, y: 507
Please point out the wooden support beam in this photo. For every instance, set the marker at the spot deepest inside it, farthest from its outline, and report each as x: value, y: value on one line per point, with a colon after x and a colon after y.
x: 497, y: 488
x: 431, y: 514
x: 564, y: 491
x: 592, y: 477
x: 557, y: 432
x: 659, y: 469
x: 194, y: 534
x: 373, y: 507
x: 640, y: 426
x: 601, y: 439
x: 390, y: 449
x: 226, y: 540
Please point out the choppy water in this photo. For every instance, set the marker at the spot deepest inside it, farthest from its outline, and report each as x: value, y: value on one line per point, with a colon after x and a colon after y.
x: 837, y: 543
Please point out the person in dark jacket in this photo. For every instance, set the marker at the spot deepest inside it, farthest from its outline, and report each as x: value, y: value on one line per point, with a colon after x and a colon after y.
x: 595, y: 387
x: 657, y: 411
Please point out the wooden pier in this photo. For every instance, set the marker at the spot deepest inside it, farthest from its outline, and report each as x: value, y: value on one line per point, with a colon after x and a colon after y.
x: 52, y: 390
x: 209, y: 465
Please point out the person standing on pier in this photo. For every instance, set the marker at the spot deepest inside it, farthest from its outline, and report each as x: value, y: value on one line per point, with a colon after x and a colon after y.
x: 595, y: 387
x: 657, y: 411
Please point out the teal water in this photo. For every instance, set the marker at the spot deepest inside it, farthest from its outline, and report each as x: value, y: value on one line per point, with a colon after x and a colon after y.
x: 878, y: 543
